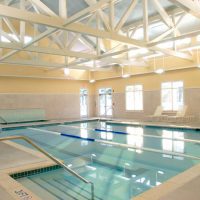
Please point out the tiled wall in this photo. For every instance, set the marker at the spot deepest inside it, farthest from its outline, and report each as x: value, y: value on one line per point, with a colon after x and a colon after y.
x: 151, y: 101
x: 63, y: 106
x: 57, y: 106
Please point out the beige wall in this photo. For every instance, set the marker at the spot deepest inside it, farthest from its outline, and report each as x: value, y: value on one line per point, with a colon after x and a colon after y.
x: 153, y: 81
x: 151, y: 85
x: 34, y: 85
x: 60, y: 98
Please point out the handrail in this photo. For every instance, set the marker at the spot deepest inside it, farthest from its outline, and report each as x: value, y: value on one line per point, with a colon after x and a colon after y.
x: 28, y: 140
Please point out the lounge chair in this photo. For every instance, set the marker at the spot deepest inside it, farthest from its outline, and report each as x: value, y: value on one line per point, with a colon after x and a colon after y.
x: 180, y: 115
x: 157, y: 116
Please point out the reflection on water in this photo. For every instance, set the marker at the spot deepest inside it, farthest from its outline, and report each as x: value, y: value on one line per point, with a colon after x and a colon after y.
x: 106, y: 135
x: 136, y: 139
x: 169, y: 144
x: 84, y: 133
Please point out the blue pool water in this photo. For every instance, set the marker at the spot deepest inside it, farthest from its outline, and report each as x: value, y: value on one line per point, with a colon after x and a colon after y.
x: 117, y: 173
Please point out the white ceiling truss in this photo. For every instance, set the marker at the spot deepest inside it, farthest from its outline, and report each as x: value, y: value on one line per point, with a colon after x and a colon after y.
x: 94, y: 33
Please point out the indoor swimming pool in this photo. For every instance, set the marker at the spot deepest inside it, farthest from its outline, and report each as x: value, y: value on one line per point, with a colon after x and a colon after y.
x: 147, y: 157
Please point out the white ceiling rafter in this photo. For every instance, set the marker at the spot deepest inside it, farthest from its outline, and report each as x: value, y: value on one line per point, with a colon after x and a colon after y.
x: 11, y: 27
x: 145, y: 20
x: 57, y: 23
x: 63, y: 13
x: 121, y: 37
x: 1, y: 50
x: 78, y: 37
x: 169, y: 31
x: 64, y: 23
x: 46, y: 50
x: 8, y: 37
x: 192, y: 7
x: 41, y: 63
x: 102, y: 15
x: 41, y: 6
x: 166, y: 18
x: 126, y: 15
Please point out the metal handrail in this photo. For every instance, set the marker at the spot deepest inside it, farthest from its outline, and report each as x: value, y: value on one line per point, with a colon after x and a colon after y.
x: 28, y: 140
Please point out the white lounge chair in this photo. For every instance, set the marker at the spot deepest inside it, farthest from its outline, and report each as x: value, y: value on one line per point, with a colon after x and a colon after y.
x: 180, y: 115
x: 157, y: 116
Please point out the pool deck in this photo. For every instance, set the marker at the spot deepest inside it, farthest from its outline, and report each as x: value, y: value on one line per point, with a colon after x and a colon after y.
x: 189, y: 125
x: 16, y: 158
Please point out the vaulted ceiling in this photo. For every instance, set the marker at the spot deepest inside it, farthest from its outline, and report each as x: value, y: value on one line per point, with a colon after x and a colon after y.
x: 96, y: 34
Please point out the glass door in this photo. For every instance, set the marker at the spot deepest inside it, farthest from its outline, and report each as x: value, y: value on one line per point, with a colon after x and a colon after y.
x: 105, y: 102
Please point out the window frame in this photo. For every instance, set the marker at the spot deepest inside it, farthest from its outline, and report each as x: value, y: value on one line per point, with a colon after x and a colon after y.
x: 134, y: 93
x: 171, y: 90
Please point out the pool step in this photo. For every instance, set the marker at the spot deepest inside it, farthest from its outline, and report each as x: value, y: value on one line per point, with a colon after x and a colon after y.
x: 76, y: 185
x: 58, y: 186
x: 37, y: 189
x: 57, y: 192
x: 72, y: 190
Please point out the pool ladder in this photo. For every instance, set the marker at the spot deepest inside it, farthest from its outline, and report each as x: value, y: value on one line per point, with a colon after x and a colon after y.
x: 66, y: 168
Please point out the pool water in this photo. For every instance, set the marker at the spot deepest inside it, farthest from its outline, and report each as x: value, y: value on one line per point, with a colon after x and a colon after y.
x: 117, y: 173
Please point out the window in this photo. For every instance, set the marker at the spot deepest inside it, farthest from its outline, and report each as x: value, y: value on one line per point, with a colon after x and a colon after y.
x: 134, y: 97
x: 172, y: 95
x: 83, y: 102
